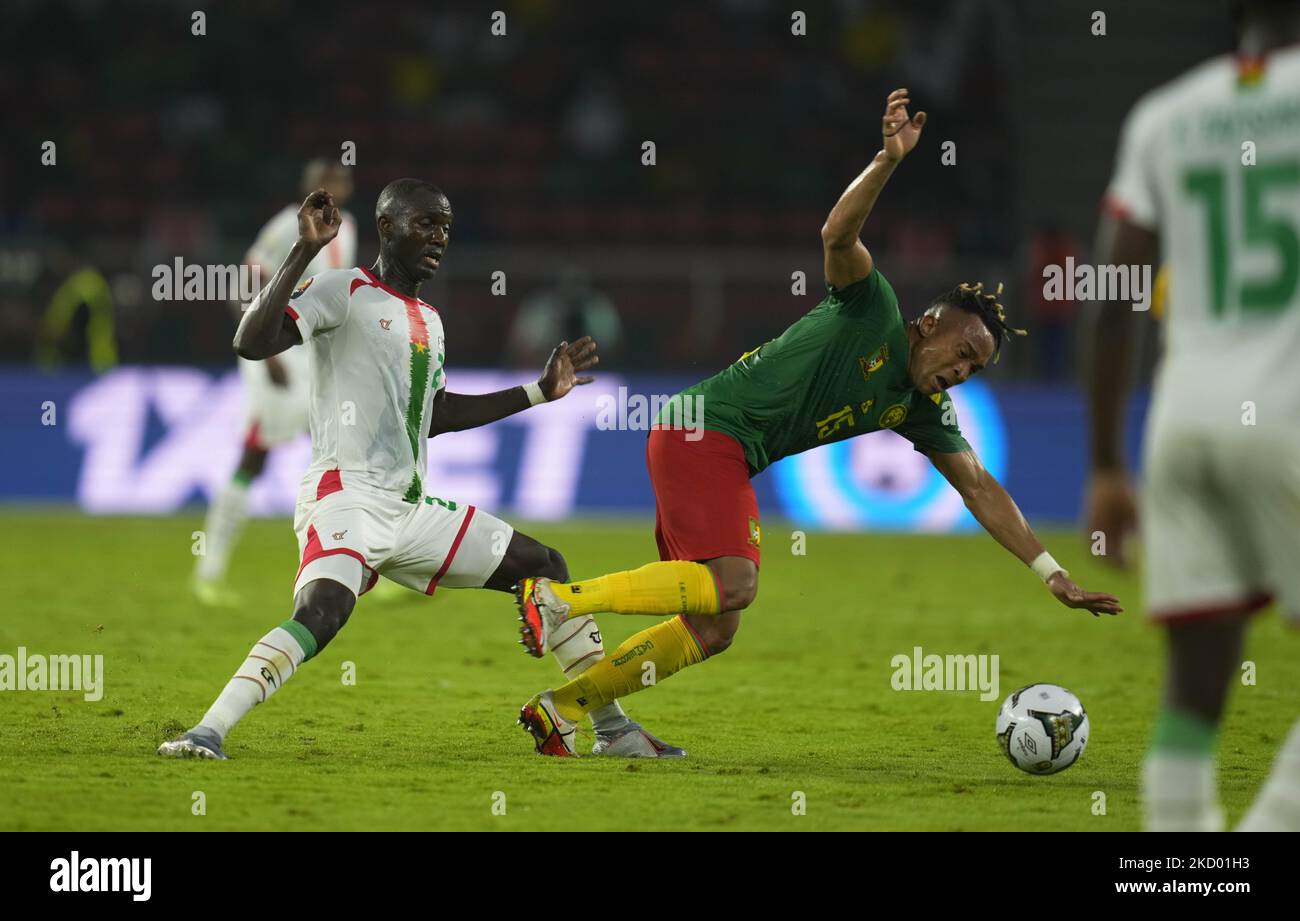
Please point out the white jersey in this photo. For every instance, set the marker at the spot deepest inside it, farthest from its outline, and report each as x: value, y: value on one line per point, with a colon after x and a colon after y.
x: 269, y: 250
x: 1211, y: 163
x: 375, y: 361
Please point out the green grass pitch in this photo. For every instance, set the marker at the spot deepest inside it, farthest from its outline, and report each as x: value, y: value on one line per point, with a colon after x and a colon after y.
x: 425, y: 738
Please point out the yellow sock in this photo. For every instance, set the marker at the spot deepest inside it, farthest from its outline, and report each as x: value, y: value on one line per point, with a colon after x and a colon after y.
x: 671, y: 587
x: 669, y: 646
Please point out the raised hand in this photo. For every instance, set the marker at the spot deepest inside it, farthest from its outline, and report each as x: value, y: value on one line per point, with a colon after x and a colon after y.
x: 900, y: 131
x: 318, y: 219
x: 1072, y: 596
x: 561, y: 372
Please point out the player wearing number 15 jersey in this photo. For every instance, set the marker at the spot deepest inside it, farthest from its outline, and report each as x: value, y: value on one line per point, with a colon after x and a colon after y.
x: 849, y: 367
x: 1208, y: 174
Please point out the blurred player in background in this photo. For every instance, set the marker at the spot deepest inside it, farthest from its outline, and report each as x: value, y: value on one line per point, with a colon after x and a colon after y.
x: 570, y: 309
x: 275, y: 390
x: 851, y: 366
x: 1221, y: 455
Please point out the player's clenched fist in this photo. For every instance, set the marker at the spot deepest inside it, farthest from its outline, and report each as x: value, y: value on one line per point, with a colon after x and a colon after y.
x: 561, y: 373
x: 318, y: 219
x: 900, y: 131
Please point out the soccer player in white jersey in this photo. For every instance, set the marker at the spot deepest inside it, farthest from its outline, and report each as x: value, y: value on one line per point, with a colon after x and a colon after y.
x: 275, y: 390
x: 377, y: 392
x: 1221, y: 457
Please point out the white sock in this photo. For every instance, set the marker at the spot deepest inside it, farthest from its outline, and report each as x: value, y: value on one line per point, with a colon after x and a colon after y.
x: 221, y: 528
x: 577, y: 647
x: 1179, y: 792
x: 270, y: 663
x: 1277, y: 808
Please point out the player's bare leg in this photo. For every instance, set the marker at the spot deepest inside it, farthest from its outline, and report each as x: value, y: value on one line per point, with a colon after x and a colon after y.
x: 1179, y: 788
x: 577, y: 647
x: 221, y: 527
x: 321, y: 608
x: 737, y: 578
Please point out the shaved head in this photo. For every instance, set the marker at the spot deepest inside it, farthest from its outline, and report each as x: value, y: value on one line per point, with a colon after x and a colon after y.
x: 401, y: 195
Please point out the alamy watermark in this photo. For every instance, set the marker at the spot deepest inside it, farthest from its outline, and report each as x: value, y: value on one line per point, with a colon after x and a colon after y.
x: 1085, y: 282
x: 639, y: 412
x: 198, y: 282
x: 922, y: 672
x: 25, y: 672
x: 103, y: 874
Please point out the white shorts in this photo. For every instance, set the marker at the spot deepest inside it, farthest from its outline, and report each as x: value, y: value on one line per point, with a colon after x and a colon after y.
x: 1221, y: 523
x: 275, y: 414
x: 354, y: 534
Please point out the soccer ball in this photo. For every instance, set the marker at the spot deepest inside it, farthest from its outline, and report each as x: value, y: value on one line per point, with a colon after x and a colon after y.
x: 1042, y: 728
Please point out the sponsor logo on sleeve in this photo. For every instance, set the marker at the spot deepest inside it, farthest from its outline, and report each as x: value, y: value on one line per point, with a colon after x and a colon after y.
x: 893, y: 415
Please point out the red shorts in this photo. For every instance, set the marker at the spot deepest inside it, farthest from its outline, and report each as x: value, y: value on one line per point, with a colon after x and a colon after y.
x: 705, y: 506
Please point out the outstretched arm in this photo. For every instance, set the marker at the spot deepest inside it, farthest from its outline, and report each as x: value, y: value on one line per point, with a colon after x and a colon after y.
x: 455, y: 412
x: 997, y: 512
x: 266, y: 329
x: 846, y: 259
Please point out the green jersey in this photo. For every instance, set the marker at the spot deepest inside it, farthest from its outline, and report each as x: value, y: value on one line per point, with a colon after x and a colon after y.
x: 839, y: 371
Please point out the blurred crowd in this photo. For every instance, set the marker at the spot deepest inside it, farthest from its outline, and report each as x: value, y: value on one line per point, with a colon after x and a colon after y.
x: 174, y: 144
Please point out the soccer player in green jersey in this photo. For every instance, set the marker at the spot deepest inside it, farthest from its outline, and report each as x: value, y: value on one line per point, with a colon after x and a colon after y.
x: 850, y: 366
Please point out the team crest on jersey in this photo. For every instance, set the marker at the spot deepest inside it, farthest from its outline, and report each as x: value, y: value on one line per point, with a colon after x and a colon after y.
x: 302, y: 287
x: 893, y: 415
x: 755, y: 532
x: 873, y: 364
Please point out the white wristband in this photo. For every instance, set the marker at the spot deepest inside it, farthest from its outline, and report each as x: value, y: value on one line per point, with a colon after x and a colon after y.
x: 1045, y: 567
x: 534, y: 391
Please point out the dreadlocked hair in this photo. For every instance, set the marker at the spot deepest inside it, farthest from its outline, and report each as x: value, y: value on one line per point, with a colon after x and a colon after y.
x: 974, y: 299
